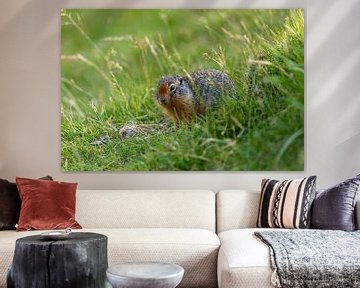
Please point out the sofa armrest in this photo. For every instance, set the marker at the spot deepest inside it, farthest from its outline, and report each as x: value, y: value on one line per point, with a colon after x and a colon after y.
x: 357, y: 215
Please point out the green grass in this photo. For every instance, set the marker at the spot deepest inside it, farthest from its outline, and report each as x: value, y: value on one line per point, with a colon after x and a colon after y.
x: 112, y: 61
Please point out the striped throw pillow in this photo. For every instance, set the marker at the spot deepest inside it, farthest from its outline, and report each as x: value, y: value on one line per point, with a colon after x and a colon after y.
x: 286, y: 204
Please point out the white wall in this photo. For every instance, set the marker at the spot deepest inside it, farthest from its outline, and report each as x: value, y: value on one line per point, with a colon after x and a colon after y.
x: 30, y: 95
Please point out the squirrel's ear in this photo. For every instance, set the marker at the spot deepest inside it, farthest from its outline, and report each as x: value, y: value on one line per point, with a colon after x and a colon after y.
x: 181, y: 80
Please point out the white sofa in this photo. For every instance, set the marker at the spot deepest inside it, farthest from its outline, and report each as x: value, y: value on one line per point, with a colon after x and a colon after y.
x: 243, y: 261
x: 175, y: 226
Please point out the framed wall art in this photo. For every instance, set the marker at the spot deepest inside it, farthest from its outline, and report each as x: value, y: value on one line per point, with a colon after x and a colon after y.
x: 182, y: 90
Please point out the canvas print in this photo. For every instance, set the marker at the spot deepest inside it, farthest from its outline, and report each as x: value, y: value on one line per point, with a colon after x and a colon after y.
x: 182, y: 90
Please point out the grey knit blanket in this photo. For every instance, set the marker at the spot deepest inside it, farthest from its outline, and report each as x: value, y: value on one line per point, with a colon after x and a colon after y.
x: 313, y: 258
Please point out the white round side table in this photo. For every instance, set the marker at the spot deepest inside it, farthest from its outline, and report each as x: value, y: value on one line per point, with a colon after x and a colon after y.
x: 145, y: 275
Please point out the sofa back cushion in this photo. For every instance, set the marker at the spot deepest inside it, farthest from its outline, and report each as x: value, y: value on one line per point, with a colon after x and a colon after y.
x: 146, y: 209
x: 236, y: 209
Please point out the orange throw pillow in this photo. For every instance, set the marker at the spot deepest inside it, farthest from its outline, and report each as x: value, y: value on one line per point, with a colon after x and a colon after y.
x: 46, y: 204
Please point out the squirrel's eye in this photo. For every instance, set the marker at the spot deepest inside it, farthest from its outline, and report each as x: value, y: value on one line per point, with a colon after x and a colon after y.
x: 172, y: 87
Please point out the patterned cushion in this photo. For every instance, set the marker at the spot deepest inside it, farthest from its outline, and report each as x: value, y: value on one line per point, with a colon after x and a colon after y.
x: 286, y: 204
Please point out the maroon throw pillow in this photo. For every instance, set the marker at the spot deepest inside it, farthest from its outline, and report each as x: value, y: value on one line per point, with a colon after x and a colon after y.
x: 46, y: 204
x: 10, y: 204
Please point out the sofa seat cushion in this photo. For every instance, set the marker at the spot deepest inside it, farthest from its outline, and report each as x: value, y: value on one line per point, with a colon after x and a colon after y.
x: 194, y: 249
x: 244, y: 261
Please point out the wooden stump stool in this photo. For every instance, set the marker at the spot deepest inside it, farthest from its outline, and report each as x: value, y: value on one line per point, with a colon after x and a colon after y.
x: 78, y: 261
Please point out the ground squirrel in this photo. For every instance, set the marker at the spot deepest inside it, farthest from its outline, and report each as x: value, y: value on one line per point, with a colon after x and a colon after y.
x: 183, y: 97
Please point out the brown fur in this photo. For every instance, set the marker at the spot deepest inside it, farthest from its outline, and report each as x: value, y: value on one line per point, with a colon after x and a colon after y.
x: 181, y: 110
x: 164, y: 89
x: 164, y: 93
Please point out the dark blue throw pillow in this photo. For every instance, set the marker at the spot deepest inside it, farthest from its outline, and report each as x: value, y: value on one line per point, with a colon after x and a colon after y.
x: 334, y: 208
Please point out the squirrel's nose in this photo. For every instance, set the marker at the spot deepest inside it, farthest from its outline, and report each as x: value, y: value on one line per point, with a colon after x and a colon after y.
x: 163, y: 101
